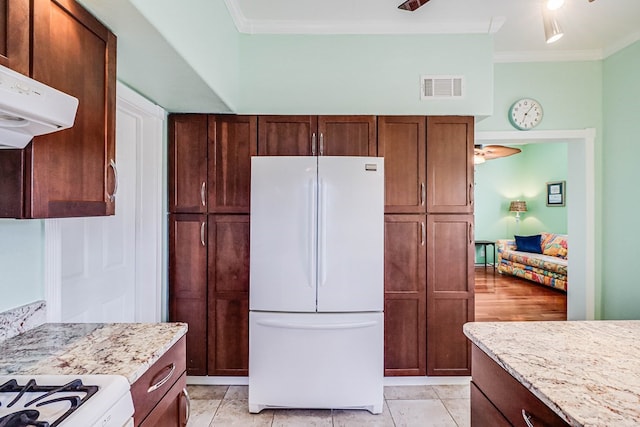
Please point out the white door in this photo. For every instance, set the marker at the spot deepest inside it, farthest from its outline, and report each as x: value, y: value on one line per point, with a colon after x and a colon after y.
x: 350, y: 234
x: 107, y: 269
x: 283, y: 234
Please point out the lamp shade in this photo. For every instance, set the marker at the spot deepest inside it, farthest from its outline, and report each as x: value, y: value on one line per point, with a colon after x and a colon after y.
x: 518, y: 206
x: 552, y: 30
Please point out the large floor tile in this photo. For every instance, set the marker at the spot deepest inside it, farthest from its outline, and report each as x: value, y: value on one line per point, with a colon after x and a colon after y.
x: 236, y: 413
x: 202, y: 412
x: 412, y: 392
x: 237, y: 392
x: 207, y: 392
x: 302, y: 418
x: 461, y: 391
x: 359, y: 418
x: 460, y: 410
x: 420, y: 413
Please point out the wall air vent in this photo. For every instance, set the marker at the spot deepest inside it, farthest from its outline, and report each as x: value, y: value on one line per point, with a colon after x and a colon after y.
x: 441, y: 87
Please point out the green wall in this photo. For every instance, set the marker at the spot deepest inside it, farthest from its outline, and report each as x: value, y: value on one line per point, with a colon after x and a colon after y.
x: 519, y: 177
x: 620, y: 288
x: 21, y: 263
x: 354, y: 74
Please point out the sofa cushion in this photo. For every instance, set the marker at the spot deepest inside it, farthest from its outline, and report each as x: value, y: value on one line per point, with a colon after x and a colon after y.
x: 554, y: 245
x: 529, y: 243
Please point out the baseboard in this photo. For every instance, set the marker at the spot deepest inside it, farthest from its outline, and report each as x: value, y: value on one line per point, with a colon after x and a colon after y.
x: 388, y: 381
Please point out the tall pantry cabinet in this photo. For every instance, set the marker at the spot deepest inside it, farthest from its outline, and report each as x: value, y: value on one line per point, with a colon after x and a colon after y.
x: 428, y: 229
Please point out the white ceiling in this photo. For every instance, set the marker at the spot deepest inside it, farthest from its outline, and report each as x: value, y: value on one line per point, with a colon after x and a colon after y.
x: 592, y: 30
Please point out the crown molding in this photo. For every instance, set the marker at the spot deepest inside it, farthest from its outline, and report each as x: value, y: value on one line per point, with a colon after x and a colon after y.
x: 548, y: 56
x: 621, y: 44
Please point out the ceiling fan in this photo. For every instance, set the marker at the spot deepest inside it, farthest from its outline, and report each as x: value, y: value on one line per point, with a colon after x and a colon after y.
x: 482, y: 153
x: 412, y: 5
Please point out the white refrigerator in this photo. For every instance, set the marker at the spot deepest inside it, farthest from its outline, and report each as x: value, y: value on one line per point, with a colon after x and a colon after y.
x: 316, y: 283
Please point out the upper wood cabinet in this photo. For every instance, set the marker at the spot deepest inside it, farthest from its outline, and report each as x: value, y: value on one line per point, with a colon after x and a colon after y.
x: 210, y: 162
x: 70, y: 172
x: 232, y: 142
x: 401, y: 141
x: 317, y: 135
x: 14, y: 35
x: 450, y: 142
x: 450, y: 293
x: 188, y: 163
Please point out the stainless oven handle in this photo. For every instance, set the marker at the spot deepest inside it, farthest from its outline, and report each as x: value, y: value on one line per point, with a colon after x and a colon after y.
x: 162, y: 382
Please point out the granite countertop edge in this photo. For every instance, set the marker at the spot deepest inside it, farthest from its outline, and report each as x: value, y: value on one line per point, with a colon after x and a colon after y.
x: 126, y: 349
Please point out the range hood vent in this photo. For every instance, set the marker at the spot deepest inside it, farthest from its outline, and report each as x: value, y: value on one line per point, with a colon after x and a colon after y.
x: 29, y: 108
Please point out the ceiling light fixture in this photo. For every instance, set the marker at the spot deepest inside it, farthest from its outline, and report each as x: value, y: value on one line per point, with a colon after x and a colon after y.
x: 552, y: 30
x: 554, y: 4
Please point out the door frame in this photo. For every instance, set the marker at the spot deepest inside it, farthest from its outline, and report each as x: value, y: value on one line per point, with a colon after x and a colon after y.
x: 581, y: 300
x: 149, y: 219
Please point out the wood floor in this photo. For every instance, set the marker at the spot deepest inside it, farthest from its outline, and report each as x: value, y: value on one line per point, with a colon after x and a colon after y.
x: 501, y: 297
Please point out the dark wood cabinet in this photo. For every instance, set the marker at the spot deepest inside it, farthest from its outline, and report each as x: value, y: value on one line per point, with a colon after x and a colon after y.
x: 232, y: 142
x: 498, y: 399
x: 450, y: 293
x: 70, y: 172
x: 188, y: 163
x: 210, y: 162
x: 401, y: 141
x: 405, y: 295
x: 188, y: 284
x: 450, y: 142
x: 228, y: 272
x: 317, y: 135
x: 14, y: 35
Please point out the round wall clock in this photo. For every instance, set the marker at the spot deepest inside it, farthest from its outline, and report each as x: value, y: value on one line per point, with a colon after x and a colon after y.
x: 525, y: 114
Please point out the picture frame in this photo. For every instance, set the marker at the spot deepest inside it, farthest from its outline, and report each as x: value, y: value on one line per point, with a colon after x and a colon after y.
x: 556, y: 193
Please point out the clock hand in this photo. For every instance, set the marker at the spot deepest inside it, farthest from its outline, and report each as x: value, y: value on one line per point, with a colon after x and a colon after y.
x: 530, y: 108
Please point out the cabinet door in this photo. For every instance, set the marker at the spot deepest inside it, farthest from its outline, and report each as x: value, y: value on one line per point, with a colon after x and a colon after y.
x: 188, y: 284
x: 228, y: 338
x: 73, y: 172
x: 347, y: 136
x: 232, y: 142
x: 405, y: 295
x: 14, y: 35
x: 450, y: 164
x: 287, y: 135
x: 172, y: 410
x: 188, y: 163
x: 450, y: 293
x: 401, y: 141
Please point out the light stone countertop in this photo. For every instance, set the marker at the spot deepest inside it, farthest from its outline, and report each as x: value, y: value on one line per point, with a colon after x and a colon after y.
x: 588, y: 372
x: 126, y: 349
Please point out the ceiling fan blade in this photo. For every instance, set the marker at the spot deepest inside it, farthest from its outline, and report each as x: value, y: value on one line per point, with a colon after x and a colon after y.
x: 412, y: 5
x: 490, y: 152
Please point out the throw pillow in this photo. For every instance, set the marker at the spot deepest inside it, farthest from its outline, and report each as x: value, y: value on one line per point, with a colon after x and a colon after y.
x: 529, y: 243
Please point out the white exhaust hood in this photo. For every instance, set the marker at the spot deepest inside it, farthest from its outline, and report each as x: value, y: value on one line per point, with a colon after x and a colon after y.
x: 29, y: 108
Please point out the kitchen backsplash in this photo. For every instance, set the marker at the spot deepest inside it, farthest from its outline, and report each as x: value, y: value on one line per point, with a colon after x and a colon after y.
x: 21, y: 319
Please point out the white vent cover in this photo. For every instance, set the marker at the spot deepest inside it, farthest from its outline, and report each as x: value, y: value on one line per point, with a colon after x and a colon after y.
x: 441, y: 87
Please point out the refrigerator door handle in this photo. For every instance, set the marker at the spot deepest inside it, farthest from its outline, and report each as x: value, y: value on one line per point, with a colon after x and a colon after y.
x: 322, y: 233
x: 313, y: 251
x: 316, y: 326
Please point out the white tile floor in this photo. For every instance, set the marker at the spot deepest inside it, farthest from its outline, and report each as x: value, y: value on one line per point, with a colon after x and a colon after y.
x: 406, y: 406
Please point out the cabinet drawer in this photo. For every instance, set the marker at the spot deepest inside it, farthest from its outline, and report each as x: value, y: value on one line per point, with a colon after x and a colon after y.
x: 508, y: 395
x: 483, y: 413
x: 172, y: 410
x: 158, y: 380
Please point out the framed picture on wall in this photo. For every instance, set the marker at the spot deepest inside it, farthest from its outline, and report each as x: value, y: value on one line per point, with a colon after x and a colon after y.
x: 555, y: 193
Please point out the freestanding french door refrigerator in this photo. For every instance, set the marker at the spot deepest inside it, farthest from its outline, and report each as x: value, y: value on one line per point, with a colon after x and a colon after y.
x: 316, y: 283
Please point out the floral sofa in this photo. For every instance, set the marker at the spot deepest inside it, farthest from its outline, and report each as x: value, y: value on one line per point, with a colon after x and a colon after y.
x: 544, y: 262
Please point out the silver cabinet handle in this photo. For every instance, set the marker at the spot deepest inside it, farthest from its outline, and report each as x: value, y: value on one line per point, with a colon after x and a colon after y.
x: 113, y: 166
x: 527, y: 418
x: 313, y: 144
x: 470, y: 194
x: 162, y: 382
x: 203, y: 193
x: 470, y: 233
x: 202, y: 233
x: 423, y: 230
x: 321, y: 144
x: 188, y: 400
x: 423, y: 193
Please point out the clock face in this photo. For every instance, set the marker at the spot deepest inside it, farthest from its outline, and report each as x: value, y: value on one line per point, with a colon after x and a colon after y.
x: 525, y: 114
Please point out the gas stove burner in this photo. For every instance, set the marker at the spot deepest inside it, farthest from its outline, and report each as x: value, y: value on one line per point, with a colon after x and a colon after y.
x: 23, y: 419
x: 74, y: 393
